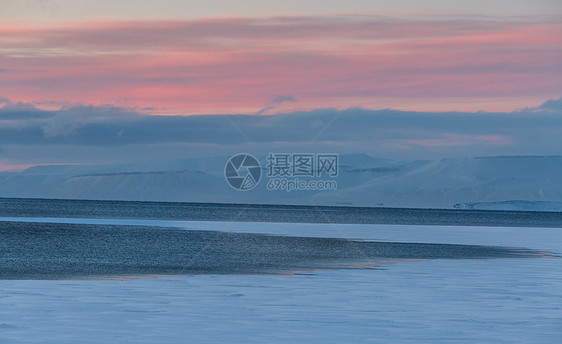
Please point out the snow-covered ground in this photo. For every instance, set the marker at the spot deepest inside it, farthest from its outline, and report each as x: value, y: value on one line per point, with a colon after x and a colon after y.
x: 499, y: 301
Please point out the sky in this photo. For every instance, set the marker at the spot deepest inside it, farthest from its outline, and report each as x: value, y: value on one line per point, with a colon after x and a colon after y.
x: 103, y: 81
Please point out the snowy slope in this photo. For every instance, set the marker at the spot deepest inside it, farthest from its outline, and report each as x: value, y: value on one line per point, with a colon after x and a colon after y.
x: 450, y: 181
x: 191, y: 180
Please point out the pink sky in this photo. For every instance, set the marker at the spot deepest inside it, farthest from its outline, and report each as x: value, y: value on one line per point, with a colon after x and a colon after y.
x: 13, y: 168
x: 243, y: 64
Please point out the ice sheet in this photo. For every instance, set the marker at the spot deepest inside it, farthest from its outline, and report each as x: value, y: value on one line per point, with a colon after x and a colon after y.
x: 536, y: 238
x: 499, y: 301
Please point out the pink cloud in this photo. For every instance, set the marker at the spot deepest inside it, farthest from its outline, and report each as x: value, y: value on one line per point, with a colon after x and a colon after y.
x: 323, y: 62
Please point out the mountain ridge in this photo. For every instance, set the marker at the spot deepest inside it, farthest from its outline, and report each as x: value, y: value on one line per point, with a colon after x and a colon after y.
x: 362, y: 181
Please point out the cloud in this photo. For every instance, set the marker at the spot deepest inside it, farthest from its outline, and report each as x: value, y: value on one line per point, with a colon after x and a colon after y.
x: 323, y: 61
x: 66, y: 121
x: 21, y: 111
x: 265, y: 110
x: 449, y: 140
x: 283, y: 99
x: 106, y: 132
x: 277, y: 105
x: 551, y: 105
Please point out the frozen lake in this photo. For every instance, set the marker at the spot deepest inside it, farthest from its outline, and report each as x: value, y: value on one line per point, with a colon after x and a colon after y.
x: 438, y: 300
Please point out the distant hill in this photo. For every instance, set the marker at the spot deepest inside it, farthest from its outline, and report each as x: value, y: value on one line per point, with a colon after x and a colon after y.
x: 504, y: 183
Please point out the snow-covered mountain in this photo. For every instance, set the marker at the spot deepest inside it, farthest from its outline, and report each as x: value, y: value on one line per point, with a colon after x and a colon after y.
x: 533, y: 182
x: 450, y: 181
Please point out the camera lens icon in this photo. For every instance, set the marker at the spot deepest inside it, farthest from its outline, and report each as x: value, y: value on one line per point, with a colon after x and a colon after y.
x: 242, y: 172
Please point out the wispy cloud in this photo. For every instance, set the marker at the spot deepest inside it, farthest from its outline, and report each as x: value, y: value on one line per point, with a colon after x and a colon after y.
x: 243, y: 63
x: 283, y: 99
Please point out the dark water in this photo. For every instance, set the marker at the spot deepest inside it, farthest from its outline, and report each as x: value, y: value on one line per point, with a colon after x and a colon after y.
x: 272, y: 213
x: 53, y: 251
